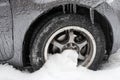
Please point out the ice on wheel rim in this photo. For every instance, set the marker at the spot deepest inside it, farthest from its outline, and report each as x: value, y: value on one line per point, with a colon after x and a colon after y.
x: 73, y: 37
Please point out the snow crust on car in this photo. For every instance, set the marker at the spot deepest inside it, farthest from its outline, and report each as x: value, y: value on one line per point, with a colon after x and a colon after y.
x: 47, y: 1
x: 110, y: 1
x: 63, y: 67
x: 43, y: 1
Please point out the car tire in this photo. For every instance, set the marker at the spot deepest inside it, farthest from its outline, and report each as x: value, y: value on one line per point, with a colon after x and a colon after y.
x: 43, y: 34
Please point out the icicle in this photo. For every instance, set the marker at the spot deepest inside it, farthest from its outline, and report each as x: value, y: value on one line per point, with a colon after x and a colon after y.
x: 92, y: 15
x: 92, y: 9
x: 74, y: 8
x: 63, y: 8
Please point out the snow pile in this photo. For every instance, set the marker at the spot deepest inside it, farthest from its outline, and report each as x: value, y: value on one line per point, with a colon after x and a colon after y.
x: 63, y: 67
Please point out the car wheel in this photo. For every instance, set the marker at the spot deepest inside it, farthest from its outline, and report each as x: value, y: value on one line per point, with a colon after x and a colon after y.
x: 68, y: 31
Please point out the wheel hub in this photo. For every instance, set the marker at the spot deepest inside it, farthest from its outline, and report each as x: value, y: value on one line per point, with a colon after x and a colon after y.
x: 71, y: 46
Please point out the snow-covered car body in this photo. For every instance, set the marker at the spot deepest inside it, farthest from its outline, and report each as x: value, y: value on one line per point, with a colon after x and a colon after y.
x: 19, y: 17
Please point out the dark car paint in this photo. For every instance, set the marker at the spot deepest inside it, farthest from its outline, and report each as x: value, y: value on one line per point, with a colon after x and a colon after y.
x: 25, y: 12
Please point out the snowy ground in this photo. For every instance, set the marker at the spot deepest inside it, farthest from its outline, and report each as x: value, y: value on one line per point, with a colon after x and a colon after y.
x: 63, y: 67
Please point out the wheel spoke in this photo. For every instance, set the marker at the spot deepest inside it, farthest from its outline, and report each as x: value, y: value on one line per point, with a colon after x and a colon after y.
x: 81, y: 57
x: 81, y: 45
x: 71, y: 36
x: 57, y: 44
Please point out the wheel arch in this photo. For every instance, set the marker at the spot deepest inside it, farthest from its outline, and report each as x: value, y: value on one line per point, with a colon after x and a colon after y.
x: 80, y: 9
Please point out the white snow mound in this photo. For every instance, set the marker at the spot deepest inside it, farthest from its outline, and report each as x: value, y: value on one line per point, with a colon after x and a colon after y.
x: 63, y: 67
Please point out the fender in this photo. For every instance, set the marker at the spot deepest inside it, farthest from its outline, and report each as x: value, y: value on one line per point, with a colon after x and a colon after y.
x: 110, y: 14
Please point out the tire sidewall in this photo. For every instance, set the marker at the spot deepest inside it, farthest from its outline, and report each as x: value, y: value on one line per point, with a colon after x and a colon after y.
x: 43, y: 34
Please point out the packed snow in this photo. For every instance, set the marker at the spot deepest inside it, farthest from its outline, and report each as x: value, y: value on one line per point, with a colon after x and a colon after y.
x: 63, y: 67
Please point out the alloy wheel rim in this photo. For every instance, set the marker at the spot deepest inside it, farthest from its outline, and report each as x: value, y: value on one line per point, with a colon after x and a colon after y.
x: 72, y: 37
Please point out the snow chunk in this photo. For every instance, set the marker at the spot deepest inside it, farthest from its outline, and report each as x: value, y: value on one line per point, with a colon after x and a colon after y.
x: 62, y: 62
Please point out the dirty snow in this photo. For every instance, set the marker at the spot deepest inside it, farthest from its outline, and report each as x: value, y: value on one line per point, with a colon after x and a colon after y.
x: 63, y: 67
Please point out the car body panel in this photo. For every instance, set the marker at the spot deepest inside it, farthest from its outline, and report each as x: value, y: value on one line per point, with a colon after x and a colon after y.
x: 6, y: 38
x: 112, y: 16
x: 25, y: 12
